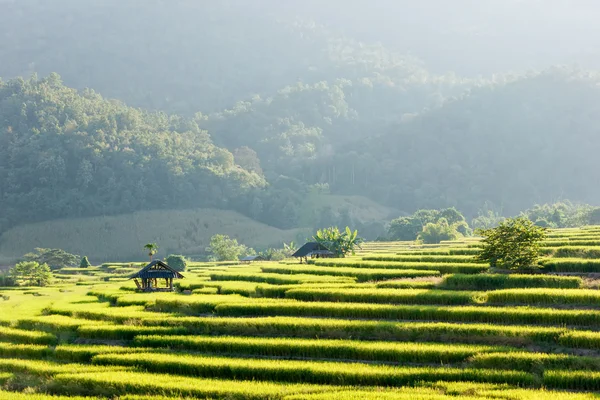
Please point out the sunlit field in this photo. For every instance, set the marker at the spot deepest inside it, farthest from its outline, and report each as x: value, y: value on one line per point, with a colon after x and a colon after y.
x: 396, y: 321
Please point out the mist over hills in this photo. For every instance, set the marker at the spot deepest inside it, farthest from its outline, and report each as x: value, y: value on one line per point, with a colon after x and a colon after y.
x: 252, y: 106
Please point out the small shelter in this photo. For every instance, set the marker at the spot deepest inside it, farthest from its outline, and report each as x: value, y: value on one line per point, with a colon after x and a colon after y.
x: 313, y: 250
x: 150, y: 275
x: 249, y: 259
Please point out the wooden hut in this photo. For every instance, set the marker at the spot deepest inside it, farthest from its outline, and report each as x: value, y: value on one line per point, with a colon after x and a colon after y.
x: 313, y: 250
x: 148, y: 279
x: 250, y: 259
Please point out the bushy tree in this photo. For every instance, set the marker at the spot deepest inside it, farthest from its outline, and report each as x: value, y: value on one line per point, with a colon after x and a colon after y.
x: 564, y: 214
x: 513, y: 244
x: 486, y: 219
x: 408, y: 228
x: 340, y: 243
x: 404, y: 228
x: 6, y: 279
x: 85, y: 263
x: 223, y: 248
x: 31, y: 273
x: 55, y: 258
x: 177, y: 262
x: 436, y: 232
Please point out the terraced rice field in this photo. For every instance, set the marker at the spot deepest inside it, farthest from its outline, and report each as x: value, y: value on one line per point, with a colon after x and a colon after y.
x: 397, y: 321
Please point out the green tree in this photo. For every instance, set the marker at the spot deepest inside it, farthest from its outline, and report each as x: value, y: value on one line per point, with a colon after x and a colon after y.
x: 434, y: 233
x: 31, y: 273
x: 85, y: 263
x: 404, y: 228
x: 6, y: 279
x: 55, y: 258
x: 486, y: 219
x: 513, y: 244
x: 408, y: 228
x: 341, y: 243
x: 177, y: 262
x: 223, y: 248
x: 152, y: 249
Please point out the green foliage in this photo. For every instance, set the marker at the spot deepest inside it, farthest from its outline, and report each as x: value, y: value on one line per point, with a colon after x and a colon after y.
x: 152, y: 249
x: 84, y: 147
x: 223, y: 248
x: 560, y: 215
x: 85, y: 263
x: 340, y: 243
x: 55, y: 258
x: 486, y: 219
x: 514, y: 244
x: 434, y: 233
x: 6, y: 279
x: 177, y: 262
x: 31, y: 273
x: 447, y: 223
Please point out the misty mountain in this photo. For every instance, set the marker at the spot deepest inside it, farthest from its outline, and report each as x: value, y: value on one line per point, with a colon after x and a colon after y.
x: 434, y: 104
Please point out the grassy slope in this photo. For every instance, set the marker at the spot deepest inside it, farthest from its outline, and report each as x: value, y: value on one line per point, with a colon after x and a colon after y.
x: 122, y: 237
x: 176, y: 231
x: 360, y: 207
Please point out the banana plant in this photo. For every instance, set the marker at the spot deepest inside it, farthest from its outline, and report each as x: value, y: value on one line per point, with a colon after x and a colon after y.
x: 340, y: 243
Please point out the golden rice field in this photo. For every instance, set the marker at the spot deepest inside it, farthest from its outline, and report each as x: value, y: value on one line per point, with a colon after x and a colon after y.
x: 396, y: 321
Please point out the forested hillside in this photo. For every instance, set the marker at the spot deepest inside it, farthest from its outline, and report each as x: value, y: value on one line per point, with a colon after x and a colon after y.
x: 64, y: 153
x: 257, y: 106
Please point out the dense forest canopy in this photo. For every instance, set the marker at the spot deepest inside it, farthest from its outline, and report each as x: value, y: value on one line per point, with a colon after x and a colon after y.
x: 253, y: 106
x: 64, y: 153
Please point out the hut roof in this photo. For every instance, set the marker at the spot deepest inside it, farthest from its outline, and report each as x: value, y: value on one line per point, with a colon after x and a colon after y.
x: 156, y: 269
x: 252, y: 258
x: 309, y: 248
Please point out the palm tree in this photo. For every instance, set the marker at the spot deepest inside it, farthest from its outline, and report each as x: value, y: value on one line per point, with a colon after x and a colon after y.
x: 152, y: 249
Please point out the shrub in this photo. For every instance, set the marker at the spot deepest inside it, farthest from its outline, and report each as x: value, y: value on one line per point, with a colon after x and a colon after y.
x: 85, y: 263
x: 514, y: 244
x: 223, y: 248
x: 433, y: 233
x: 6, y: 280
x: 31, y: 273
x: 177, y: 262
x: 55, y: 258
